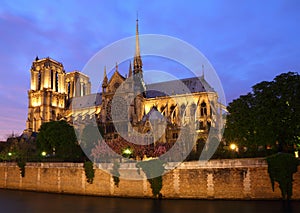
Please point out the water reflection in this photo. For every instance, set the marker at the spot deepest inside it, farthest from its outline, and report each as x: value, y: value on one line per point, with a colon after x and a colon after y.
x: 22, y: 201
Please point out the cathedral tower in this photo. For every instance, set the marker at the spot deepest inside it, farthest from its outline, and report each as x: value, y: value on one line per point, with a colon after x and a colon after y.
x: 47, y: 95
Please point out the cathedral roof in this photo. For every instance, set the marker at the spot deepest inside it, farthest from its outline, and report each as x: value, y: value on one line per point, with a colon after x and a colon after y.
x: 161, y: 89
x: 177, y: 87
x: 91, y: 100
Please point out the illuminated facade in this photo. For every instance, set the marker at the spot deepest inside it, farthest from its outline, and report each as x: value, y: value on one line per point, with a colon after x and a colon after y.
x: 53, y: 91
x: 50, y: 90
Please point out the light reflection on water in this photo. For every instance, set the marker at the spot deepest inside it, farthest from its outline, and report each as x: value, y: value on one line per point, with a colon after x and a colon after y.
x: 22, y: 201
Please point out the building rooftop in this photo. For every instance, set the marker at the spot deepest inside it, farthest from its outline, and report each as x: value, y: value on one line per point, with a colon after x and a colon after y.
x: 177, y: 87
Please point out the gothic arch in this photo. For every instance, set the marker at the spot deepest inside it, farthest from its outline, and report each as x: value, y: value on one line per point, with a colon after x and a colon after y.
x: 203, y: 109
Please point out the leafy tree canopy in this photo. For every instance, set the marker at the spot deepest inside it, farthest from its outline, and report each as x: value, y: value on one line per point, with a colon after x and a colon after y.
x: 58, y: 138
x: 269, y: 115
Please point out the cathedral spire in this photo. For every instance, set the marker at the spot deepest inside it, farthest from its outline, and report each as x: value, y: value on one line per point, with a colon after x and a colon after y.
x: 105, y: 80
x: 130, y: 70
x: 137, y: 42
x: 137, y: 63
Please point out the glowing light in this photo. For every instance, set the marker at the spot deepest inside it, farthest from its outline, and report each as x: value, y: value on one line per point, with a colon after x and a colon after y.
x: 127, y: 151
x: 44, y: 153
x: 9, y: 154
x: 296, y: 154
x: 232, y: 146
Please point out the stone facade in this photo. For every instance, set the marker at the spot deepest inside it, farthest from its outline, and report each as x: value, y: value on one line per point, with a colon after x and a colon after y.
x: 218, y: 179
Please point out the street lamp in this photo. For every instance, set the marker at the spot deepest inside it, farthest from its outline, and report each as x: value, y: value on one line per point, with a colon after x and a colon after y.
x: 296, y: 154
x: 44, y: 153
x: 127, y: 152
x: 9, y: 154
x: 233, y: 147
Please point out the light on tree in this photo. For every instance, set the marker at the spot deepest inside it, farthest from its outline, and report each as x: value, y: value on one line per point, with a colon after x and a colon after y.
x: 233, y: 146
x: 127, y: 152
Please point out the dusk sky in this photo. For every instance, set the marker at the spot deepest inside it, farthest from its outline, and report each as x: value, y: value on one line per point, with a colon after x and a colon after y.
x: 245, y: 41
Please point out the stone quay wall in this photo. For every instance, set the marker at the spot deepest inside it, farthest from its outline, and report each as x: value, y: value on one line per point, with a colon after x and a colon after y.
x: 216, y: 179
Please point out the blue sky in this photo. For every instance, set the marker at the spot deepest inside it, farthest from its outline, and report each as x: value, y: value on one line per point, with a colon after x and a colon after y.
x: 245, y: 41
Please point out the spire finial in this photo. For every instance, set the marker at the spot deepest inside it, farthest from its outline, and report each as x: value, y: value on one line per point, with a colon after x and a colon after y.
x: 117, y: 66
x: 130, y: 70
x: 137, y: 62
x: 137, y: 42
x: 104, y: 83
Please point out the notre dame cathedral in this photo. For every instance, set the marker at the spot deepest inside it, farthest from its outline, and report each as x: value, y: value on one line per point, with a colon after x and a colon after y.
x: 52, y: 91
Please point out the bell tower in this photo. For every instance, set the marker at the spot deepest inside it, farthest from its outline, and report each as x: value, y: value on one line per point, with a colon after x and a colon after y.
x: 47, y: 95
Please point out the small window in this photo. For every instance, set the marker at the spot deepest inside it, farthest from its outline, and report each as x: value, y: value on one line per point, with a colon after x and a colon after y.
x: 203, y: 109
x: 175, y: 135
x: 116, y: 85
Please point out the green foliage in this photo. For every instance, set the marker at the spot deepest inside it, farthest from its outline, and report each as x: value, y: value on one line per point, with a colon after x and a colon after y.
x: 58, y: 139
x: 281, y: 168
x: 21, y: 164
x: 116, y: 174
x: 153, y: 170
x: 16, y: 148
x: 156, y: 186
x: 268, y: 116
x: 89, y: 171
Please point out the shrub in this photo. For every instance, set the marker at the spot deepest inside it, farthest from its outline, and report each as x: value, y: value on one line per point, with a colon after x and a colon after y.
x: 116, y: 174
x: 153, y: 170
x: 89, y: 171
x: 281, y: 168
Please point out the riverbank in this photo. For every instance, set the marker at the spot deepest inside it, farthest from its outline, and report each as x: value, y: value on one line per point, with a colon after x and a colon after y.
x: 241, y: 179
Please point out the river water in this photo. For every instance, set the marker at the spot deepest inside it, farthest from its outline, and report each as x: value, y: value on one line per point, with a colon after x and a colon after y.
x: 23, y: 201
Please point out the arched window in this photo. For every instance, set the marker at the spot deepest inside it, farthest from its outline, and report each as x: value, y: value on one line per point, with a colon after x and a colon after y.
x: 202, y: 127
x: 56, y: 81
x: 69, y: 89
x: 173, y: 112
x: 182, y: 109
x: 193, y: 109
x: 203, y: 110
x: 51, y: 82
x: 84, y: 89
x: 39, y: 80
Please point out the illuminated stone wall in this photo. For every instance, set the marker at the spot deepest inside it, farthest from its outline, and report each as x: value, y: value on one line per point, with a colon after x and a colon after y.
x: 218, y: 179
x: 50, y: 89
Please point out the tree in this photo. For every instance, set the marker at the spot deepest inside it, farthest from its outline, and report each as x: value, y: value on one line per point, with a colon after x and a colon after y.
x: 268, y: 116
x: 57, y: 138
